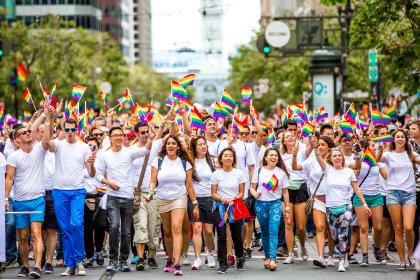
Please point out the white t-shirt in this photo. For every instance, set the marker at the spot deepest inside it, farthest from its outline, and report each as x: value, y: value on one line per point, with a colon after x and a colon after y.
x: 49, y: 171
x: 265, y: 176
x: 295, y: 174
x: 314, y: 171
x: 203, y: 171
x: 8, y: 148
x: 260, y: 157
x: 400, y: 171
x: 382, y: 181
x: 138, y: 164
x: 29, y: 170
x: 214, y: 148
x: 69, y: 164
x: 171, y: 178
x: 371, y: 184
x: 339, y: 188
x: 228, y: 182
x: 119, y: 169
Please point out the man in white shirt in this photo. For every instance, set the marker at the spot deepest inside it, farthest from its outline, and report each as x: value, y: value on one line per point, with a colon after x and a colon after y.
x: 117, y: 162
x: 69, y: 193
x: 25, y: 168
x: 210, y: 134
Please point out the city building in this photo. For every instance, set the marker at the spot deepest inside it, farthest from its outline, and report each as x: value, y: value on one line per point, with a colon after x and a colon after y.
x: 141, y: 44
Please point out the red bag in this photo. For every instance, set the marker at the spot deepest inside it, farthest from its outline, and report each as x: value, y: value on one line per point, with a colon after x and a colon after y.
x: 240, y: 210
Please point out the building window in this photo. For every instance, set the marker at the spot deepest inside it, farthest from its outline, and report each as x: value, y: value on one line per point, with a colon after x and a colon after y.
x: 135, y: 9
x: 19, y: 2
x: 53, y: 2
x: 136, y: 27
x: 135, y: 18
x: 136, y: 54
x: 136, y: 45
x: 70, y: 1
x: 44, y: 2
x: 136, y: 36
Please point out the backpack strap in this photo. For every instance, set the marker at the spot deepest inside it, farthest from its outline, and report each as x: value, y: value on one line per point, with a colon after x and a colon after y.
x: 160, y: 161
x: 258, y: 177
x: 184, y: 164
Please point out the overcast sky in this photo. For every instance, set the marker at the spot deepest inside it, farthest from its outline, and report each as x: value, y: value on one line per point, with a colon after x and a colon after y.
x: 177, y: 23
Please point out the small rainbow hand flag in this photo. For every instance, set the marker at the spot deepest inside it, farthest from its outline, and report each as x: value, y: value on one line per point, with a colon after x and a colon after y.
x: 385, y: 139
x: 149, y: 197
x: 104, y: 98
x: 219, y: 111
x: 178, y: 91
x: 246, y: 94
x: 125, y: 98
x: 379, y: 118
x: 346, y: 127
x: 271, y: 137
x: 321, y: 114
x: 28, y: 97
x: 272, y: 184
x: 351, y: 114
x: 27, y: 116
x: 227, y: 101
x: 392, y: 112
x: 369, y: 157
x: 187, y: 80
x: 1, y: 117
x: 44, y: 91
x: 22, y: 72
x: 237, y: 124
x: 169, y: 102
x: 78, y: 91
x: 307, y: 130
x: 196, y: 122
x: 101, y: 190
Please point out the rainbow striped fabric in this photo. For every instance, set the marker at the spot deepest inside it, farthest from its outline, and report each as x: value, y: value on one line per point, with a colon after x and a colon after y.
x: 351, y: 114
x: 28, y: 97
x: 187, y: 80
x: 227, y: 101
x: 321, y: 114
x: 369, y: 157
x: 347, y: 127
x: 379, y: 118
x: 246, y: 93
x: 307, y: 130
x: 196, y: 121
x: 78, y: 91
x: 1, y: 117
x: 219, y: 111
x: 22, y: 72
x: 271, y: 137
x: 272, y: 184
x: 104, y: 98
x: 27, y: 116
x: 178, y: 91
x: 386, y: 139
x: 392, y: 112
x: 45, y: 93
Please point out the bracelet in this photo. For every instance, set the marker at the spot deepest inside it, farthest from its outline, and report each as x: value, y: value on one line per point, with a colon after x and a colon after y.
x: 6, y: 199
x: 195, y: 203
x: 365, y: 204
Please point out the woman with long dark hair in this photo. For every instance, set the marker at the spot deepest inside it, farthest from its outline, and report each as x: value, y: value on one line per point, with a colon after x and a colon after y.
x: 402, y: 165
x: 171, y: 177
x: 204, y: 168
x: 269, y: 186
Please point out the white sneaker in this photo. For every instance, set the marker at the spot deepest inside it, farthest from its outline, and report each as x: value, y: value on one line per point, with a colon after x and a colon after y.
x: 304, y: 254
x: 211, y: 262
x: 330, y: 261
x: 80, y: 269
x: 197, y: 264
x: 346, y: 261
x: 341, y: 267
x: 185, y: 260
x: 290, y: 259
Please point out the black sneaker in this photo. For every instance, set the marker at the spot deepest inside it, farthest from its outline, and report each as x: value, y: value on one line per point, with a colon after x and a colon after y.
x: 48, y: 268
x: 99, y: 258
x: 240, y: 263
x: 112, y: 266
x: 35, y: 273
x: 87, y: 262
x: 9, y: 263
x: 151, y: 262
x: 365, y: 260
x: 248, y: 253
x: 352, y: 259
x: 379, y: 256
x: 124, y: 267
x: 140, y: 265
x: 23, y: 272
x: 391, y: 246
x: 222, y: 268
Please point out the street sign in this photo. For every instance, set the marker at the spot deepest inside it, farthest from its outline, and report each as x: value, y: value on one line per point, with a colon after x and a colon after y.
x: 309, y: 32
x: 277, y: 34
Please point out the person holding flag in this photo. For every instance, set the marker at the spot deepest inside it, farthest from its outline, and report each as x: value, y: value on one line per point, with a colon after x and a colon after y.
x: 269, y: 186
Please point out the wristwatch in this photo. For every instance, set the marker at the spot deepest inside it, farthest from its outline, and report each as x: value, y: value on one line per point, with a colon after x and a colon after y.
x: 195, y: 203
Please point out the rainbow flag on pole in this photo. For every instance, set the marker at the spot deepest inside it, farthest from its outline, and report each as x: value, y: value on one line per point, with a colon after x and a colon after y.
x: 321, y: 114
x: 27, y: 116
x: 178, y: 91
x: 386, y: 139
x: 187, y: 80
x: 196, y: 122
x: 271, y: 137
x: 392, y: 112
x: 369, y: 157
x: 307, y: 130
x: 78, y: 91
x: 22, y: 72
x: 1, y: 117
x: 104, y: 98
x: 346, y: 127
x: 379, y: 118
x: 28, y: 97
x: 219, y: 111
x: 351, y: 114
x: 227, y: 101
x: 272, y: 184
x: 246, y: 93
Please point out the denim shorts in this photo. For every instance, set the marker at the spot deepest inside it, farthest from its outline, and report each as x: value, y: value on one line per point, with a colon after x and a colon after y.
x: 371, y: 200
x: 25, y: 220
x: 400, y: 197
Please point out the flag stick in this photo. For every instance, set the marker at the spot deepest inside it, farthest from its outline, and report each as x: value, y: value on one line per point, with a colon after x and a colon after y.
x: 33, y: 104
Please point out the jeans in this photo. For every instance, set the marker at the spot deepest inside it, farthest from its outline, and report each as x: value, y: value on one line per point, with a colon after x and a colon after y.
x: 235, y: 230
x: 11, y: 249
x: 269, y: 216
x: 120, y: 212
x: 69, y: 210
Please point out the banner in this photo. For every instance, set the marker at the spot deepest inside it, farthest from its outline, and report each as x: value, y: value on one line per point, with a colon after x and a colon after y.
x: 323, y: 92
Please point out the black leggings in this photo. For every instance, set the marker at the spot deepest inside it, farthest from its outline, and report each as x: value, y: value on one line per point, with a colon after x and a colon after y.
x: 94, y: 233
x: 236, y: 231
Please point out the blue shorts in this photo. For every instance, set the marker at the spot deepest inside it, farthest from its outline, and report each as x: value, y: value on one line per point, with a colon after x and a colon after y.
x: 400, y: 197
x: 25, y: 220
x: 371, y: 200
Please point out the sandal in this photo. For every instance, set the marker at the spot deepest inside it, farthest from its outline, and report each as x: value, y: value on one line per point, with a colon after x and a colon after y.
x: 273, y: 266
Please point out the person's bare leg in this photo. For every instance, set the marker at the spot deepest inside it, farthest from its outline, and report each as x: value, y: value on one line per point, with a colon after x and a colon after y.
x: 355, y: 236
x: 301, y: 218
x: 209, y: 237
x: 186, y: 234
x: 290, y: 237
x: 197, y: 240
x: 51, y: 242
x: 319, y: 222
x: 409, y: 212
x: 377, y: 217
x: 167, y: 229
x: 177, y: 218
x: 229, y: 241
x: 23, y: 234
x: 36, y: 233
x: 363, y: 220
x: 395, y: 211
x: 140, y: 247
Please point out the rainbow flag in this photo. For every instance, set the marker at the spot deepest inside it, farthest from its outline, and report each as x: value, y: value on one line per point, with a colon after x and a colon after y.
x: 362, y: 125
x: 237, y: 124
x: 369, y: 157
x: 27, y: 116
x: 392, y: 112
x: 219, y: 111
x: 283, y: 118
x: 310, y: 116
x: 347, y: 127
x: 69, y: 109
x: 124, y: 99
x: 91, y: 115
x: 22, y: 72
x: 83, y: 121
x: 299, y: 110
x: 102, y: 113
x: 246, y: 93
x: 187, y: 80
x: 104, y: 98
x: 28, y: 97
x: 321, y: 115
x: 78, y: 91
x: 149, y: 197
x: 178, y: 91
x: 51, y: 95
x: 94, y: 147
x: 227, y: 101
x: 272, y: 184
x: 187, y: 104
x: 169, y: 102
x: 386, y: 139
x: 307, y: 130
x: 271, y: 137
x: 196, y: 122
x: 178, y: 119
x: 252, y: 108
x: 44, y: 91
x: 351, y: 114
x: 1, y: 117
x: 101, y: 190
x: 225, y: 217
x: 379, y: 118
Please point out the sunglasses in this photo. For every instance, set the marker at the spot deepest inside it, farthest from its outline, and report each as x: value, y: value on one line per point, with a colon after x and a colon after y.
x: 24, y: 132
x: 156, y: 127
x: 144, y: 132
x: 254, y: 132
x: 73, y: 129
x: 244, y: 133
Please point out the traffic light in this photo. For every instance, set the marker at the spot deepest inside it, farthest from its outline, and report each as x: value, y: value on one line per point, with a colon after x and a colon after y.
x: 263, y: 46
x: 1, y: 51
